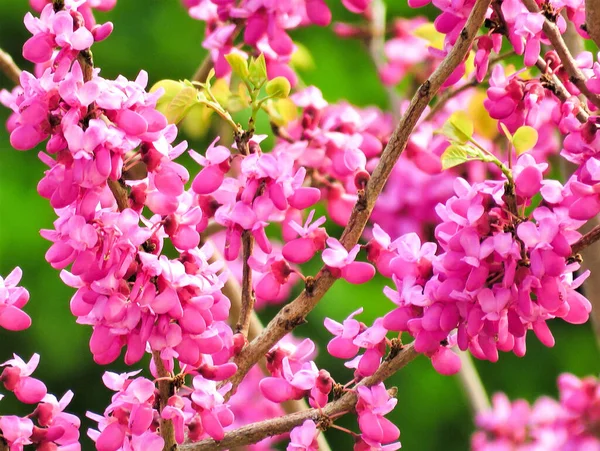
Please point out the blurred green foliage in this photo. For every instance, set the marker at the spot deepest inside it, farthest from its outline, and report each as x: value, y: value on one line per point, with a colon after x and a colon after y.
x: 159, y: 37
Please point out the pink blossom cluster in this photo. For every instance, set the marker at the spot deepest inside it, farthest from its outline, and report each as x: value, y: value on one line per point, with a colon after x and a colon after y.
x: 340, y: 145
x: 265, y: 29
x: 496, y: 276
x: 52, y: 428
x: 571, y: 422
x: 131, y: 420
x: 126, y: 290
x: 377, y: 432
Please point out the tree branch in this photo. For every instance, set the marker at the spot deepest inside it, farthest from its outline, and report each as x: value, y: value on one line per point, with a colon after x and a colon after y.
x: 201, y: 73
x: 592, y: 20
x: 553, y: 34
x: 586, y: 240
x: 10, y: 69
x: 248, y: 298
x: 232, y: 289
x: 377, y: 50
x: 256, y: 432
x: 165, y: 391
x: 551, y: 82
x: 295, y: 312
x: 591, y: 261
x: 471, y: 382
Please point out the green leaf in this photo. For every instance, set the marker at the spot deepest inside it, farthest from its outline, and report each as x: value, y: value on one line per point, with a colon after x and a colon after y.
x: 171, y: 88
x: 279, y: 88
x: 453, y: 156
x: 180, y: 105
x: 458, y: 127
x: 524, y: 139
x: 258, y: 71
x: 238, y: 64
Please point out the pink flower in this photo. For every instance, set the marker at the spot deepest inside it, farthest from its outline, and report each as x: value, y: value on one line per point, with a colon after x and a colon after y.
x: 304, y: 438
x: 16, y: 378
x: 16, y: 431
x: 336, y: 256
x: 342, y: 346
x: 373, y: 403
x: 12, y: 299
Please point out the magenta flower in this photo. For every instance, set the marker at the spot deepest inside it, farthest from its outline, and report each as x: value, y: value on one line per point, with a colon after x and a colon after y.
x: 373, y: 403
x: 12, y: 299
x: 292, y: 384
x: 312, y: 239
x: 343, y: 346
x: 336, y: 256
x: 16, y: 378
x: 304, y: 438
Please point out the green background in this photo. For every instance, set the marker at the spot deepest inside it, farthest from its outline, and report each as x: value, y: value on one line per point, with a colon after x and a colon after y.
x: 159, y: 36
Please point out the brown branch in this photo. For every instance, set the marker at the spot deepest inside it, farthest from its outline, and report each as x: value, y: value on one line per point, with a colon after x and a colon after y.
x: 295, y: 312
x: 553, y: 83
x: 256, y: 432
x: 201, y: 73
x: 592, y: 20
x: 591, y: 261
x: 553, y: 34
x: 10, y: 69
x: 586, y: 240
x: 165, y: 391
x: 233, y: 290
x: 248, y: 298
x: 376, y: 44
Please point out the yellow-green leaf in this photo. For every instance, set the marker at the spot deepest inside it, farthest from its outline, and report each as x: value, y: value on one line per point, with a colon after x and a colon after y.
x: 302, y: 58
x: 431, y: 35
x: 171, y: 88
x: 524, y: 139
x: 453, y: 156
x: 458, y: 127
x: 238, y: 64
x: 258, y: 71
x: 279, y: 88
x: 180, y: 104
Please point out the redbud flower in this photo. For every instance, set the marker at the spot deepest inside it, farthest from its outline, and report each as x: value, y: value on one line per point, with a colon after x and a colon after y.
x: 304, y: 438
x: 336, y: 256
x: 16, y: 378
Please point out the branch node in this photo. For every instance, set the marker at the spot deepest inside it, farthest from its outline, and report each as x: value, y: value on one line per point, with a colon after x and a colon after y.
x: 395, y: 347
x: 324, y: 422
x: 338, y: 391
x: 309, y: 285
x: 424, y: 88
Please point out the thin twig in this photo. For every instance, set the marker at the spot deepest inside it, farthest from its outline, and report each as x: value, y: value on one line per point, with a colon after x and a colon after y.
x: 233, y: 290
x: 554, y: 36
x: 248, y: 297
x: 255, y: 432
x: 555, y: 85
x: 165, y: 391
x: 586, y: 240
x: 201, y: 73
x: 471, y: 383
x: 9, y: 67
x: 377, y: 50
x: 591, y: 287
x: 450, y: 93
x: 295, y: 312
